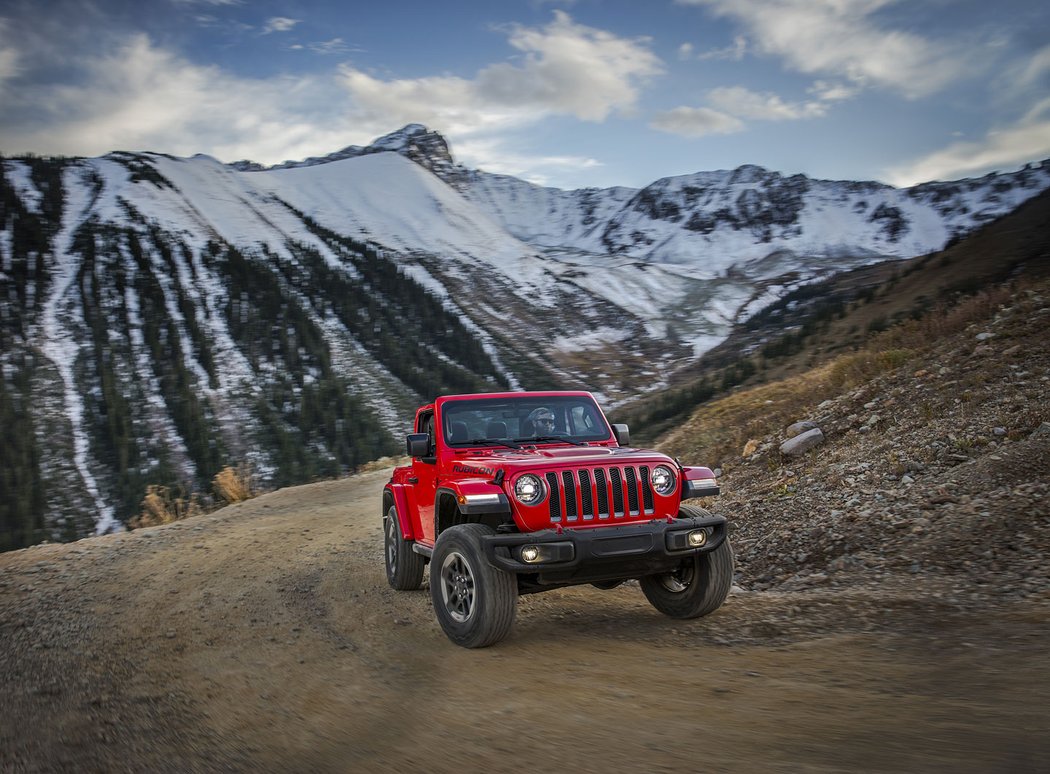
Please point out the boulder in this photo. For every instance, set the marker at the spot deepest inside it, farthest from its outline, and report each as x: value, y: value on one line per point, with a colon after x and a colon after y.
x: 800, y: 444
x: 800, y: 427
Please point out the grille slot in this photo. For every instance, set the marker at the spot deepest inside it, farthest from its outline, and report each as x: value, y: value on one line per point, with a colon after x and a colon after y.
x: 632, y: 490
x: 571, y: 512
x: 554, y: 497
x: 617, y: 489
x: 647, y: 489
x: 586, y: 499
x: 601, y: 484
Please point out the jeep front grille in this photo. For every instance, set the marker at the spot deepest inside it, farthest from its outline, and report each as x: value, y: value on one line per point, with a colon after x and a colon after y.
x: 585, y: 495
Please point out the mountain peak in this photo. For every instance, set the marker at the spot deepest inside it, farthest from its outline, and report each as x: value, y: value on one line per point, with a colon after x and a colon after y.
x: 413, y: 141
x: 423, y: 146
x: 404, y: 134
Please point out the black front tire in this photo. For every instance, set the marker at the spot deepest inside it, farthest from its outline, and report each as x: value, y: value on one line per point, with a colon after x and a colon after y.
x: 475, y: 603
x: 698, y: 586
x: 404, y: 567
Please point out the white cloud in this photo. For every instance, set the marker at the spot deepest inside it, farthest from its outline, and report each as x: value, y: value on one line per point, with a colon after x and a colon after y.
x: 1002, y: 148
x: 8, y: 64
x: 567, y: 69
x: 333, y: 46
x: 744, y: 103
x: 842, y: 39
x: 448, y: 103
x: 571, y: 68
x: 828, y: 91
x: 279, y: 24
x: 695, y: 122
x: 734, y: 52
x: 1025, y: 78
x: 492, y: 155
x: 731, y: 104
x: 1036, y: 68
x: 685, y: 51
x: 210, y: 21
x: 140, y: 97
x: 8, y: 57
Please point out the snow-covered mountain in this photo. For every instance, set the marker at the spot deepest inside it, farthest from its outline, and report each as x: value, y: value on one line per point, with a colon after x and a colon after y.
x: 162, y: 317
x: 744, y: 233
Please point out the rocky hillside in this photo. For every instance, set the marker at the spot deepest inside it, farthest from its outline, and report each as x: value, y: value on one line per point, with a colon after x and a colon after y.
x: 931, y: 466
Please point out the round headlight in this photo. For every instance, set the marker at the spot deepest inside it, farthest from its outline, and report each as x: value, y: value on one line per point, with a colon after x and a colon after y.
x: 529, y: 489
x: 664, y: 480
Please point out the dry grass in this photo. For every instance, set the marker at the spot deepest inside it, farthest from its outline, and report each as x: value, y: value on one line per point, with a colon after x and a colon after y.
x: 944, y: 320
x: 848, y: 371
x: 233, y: 485
x: 721, y: 429
x: 162, y: 506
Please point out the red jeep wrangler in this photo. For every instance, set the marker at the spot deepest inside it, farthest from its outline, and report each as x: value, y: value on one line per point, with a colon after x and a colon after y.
x: 514, y: 493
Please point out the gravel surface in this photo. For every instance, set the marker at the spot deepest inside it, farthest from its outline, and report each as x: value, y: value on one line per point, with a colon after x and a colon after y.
x: 264, y: 638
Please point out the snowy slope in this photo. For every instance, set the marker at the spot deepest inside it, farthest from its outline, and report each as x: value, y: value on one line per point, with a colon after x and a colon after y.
x: 544, y: 216
x: 397, y: 203
x: 712, y: 221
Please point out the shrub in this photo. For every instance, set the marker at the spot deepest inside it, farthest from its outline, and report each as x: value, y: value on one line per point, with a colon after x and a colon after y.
x: 851, y: 370
x: 162, y: 506
x: 233, y: 485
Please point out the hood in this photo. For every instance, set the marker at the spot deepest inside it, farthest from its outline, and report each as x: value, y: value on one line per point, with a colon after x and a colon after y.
x: 560, y: 456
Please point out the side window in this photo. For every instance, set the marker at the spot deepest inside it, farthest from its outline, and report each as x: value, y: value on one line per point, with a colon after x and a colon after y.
x: 583, y: 421
x: 426, y: 425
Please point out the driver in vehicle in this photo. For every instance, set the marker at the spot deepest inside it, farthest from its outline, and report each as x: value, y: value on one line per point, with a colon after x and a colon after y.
x: 542, y: 420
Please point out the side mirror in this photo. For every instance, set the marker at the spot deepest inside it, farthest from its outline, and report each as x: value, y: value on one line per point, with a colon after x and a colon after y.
x: 417, y: 444
x: 622, y: 435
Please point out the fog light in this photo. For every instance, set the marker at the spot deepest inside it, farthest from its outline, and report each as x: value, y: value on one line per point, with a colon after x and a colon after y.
x: 697, y: 538
x: 530, y: 554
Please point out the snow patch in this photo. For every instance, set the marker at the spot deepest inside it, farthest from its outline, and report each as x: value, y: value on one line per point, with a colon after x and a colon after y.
x: 19, y: 177
x: 60, y: 346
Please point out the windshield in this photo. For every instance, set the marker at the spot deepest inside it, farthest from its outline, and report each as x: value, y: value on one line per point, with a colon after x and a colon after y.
x: 573, y: 419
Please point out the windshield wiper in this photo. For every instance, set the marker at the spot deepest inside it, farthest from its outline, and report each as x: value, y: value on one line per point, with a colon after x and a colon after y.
x: 492, y: 441
x: 563, y: 438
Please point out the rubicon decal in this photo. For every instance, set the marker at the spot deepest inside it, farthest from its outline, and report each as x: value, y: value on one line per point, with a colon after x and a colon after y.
x: 457, y: 468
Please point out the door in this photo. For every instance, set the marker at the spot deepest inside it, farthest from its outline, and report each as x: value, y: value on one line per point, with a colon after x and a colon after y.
x: 424, y: 470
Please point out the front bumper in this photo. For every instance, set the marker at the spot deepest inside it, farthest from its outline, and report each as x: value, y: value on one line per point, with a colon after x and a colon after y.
x: 705, y: 487
x: 603, y: 553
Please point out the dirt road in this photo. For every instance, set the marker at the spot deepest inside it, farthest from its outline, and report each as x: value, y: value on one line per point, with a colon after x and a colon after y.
x: 265, y: 637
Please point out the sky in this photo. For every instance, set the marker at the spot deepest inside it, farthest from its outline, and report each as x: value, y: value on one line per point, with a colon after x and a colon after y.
x: 571, y: 94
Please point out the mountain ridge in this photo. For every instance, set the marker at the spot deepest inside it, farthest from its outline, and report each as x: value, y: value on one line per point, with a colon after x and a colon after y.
x: 163, y: 317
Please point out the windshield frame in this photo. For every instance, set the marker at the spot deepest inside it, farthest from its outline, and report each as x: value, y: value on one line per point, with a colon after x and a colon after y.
x: 577, y: 417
